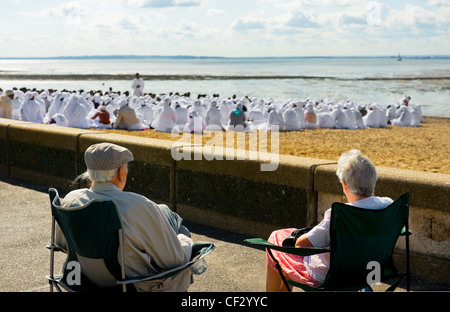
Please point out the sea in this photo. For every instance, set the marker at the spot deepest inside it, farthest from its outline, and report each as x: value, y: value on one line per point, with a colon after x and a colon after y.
x: 383, y: 80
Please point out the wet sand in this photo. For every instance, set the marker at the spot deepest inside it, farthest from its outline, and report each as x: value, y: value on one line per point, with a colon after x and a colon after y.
x: 425, y: 148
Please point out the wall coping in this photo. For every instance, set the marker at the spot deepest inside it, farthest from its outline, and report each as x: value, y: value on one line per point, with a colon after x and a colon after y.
x: 427, y: 189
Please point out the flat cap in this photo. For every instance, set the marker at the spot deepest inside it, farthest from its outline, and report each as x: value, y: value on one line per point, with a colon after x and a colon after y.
x: 106, y: 156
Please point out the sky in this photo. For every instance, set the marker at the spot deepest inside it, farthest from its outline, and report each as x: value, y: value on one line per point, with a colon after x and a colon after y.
x: 226, y: 28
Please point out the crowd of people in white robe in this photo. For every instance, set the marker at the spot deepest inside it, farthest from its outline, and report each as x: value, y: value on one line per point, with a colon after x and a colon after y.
x: 174, y: 112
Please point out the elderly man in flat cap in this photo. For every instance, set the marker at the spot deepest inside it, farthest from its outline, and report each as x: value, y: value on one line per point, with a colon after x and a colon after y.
x: 6, y: 105
x: 154, y: 238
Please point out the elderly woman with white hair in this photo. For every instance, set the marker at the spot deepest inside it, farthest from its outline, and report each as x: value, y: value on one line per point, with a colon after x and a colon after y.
x: 358, y: 177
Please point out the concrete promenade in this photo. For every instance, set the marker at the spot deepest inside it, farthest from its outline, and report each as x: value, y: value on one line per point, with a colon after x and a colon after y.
x: 25, y: 231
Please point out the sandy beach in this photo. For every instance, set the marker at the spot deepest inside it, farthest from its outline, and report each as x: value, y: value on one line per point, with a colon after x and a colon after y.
x: 425, y: 148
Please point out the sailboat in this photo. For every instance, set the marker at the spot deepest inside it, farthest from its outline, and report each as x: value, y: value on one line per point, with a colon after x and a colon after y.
x: 399, y: 58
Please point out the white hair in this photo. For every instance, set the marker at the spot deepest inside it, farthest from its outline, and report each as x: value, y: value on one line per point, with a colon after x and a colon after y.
x: 358, y: 172
x: 102, y: 175
x: 97, y: 175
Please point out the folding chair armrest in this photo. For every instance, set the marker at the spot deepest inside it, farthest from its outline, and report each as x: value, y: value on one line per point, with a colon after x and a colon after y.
x: 201, y: 249
x: 403, y: 232
x: 55, y: 248
x: 291, y: 250
x: 292, y: 238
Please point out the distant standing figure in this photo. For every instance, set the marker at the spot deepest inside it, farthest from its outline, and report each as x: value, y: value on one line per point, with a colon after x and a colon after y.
x: 138, y: 85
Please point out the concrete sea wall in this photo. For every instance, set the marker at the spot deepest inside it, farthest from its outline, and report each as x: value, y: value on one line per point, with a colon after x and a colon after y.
x: 234, y: 195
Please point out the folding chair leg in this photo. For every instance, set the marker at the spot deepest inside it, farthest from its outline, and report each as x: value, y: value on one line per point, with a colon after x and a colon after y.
x: 408, y: 272
x: 394, y: 285
x: 52, y: 254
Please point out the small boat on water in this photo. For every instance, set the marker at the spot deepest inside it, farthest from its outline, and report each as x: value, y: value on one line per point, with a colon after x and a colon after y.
x: 399, y: 58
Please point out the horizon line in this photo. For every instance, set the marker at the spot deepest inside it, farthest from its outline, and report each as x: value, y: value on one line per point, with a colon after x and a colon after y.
x: 134, y: 56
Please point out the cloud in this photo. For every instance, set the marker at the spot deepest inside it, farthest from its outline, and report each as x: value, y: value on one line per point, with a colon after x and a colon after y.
x: 248, y: 23
x: 257, y: 27
x: 161, y: 3
x: 439, y: 3
x: 416, y: 19
x: 347, y: 19
x: 69, y: 9
x: 300, y: 20
x: 73, y: 13
x: 343, y: 3
x: 213, y: 12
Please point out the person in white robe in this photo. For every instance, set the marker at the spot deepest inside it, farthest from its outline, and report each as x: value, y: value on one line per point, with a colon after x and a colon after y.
x: 390, y: 113
x: 325, y: 120
x: 275, y: 120
x: 404, y: 119
x: 298, y: 107
x: 404, y: 100
x: 16, y: 104
x: 340, y: 117
x: 88, y: 105
x: 59, y: 119
x: 256, y: 117
x: 416, y: 111
x: 57, y: 106
x: 419, y: 108
x: 199, y: 108
x: 212, y: 120
x: 134, y: 102
x: 357, y: 116
x: 225, y: 108
x: 145, y: 112
x: 76, y: 113
x: 30, y: 110
x: 310, y: 117
x: 349, y: 118
x: 371, y: 119
x: 6, y: 104
x: 44, y: 101
x: 138, y: 85
x: 291, y: 121
x: 166, y: 119
x: 195, y: 123
x: 382, y: 119
x: 416, y: 116
x: 182, y: 114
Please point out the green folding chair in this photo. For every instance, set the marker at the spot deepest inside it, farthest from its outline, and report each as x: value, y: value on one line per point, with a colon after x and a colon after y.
x: 94, y: 236
x: 358, y: 237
